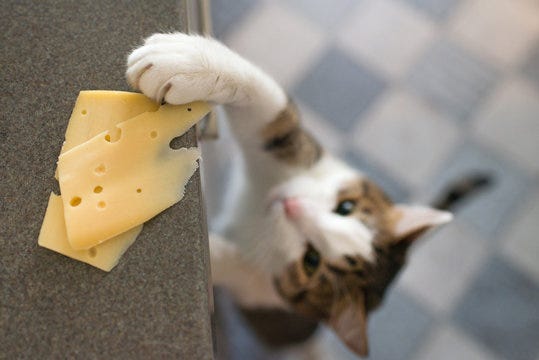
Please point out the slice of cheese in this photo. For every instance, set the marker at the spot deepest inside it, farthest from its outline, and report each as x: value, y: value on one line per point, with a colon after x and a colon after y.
x: 95, y: 111
x: 127, y: 175
x: 98, y: 110
x: 53, y: 236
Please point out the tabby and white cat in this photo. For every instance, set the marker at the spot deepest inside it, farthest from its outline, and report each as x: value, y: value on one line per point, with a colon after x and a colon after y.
x: 306, y: 232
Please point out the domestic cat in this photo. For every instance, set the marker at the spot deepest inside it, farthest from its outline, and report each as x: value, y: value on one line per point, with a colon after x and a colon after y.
x: 304, y: 231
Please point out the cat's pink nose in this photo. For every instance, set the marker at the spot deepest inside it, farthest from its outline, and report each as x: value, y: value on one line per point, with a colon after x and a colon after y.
x: 292, y: 207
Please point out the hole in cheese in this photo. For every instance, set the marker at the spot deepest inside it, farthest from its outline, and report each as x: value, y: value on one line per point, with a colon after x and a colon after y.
x: 83, y: 112
x: 98, y: 189
x: 139, y: 190
x: 100, y: 170
x: 188, y: 109
x: 113, y: 135
x: 153, y: 134
x: 92, y: 252
x: 176, y: 143
x: 75, y: 201
x: 101, y: 204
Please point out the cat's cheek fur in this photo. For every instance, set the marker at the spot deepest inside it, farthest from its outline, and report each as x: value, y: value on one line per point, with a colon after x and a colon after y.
x: 333, y: 235
x: 315, y: 194
x: 344, y: 236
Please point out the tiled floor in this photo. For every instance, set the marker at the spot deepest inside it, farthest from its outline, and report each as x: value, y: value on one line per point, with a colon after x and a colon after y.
x: 416, y: 92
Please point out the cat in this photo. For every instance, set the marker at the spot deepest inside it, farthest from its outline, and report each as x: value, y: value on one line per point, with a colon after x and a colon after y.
x: 305, y: 231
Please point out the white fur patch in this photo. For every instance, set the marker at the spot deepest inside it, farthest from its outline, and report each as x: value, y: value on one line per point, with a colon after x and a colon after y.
x: 181, y: 68
x: 316, y: 193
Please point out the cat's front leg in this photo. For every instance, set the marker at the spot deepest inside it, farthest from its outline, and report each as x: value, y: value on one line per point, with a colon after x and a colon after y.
x: 180, y: 68
x: 250, y: 286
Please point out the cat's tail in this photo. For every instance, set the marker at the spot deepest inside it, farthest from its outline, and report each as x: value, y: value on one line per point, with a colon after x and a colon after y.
x: 462, y: 190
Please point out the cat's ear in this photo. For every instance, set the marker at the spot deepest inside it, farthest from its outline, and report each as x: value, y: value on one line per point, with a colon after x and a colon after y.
x: 349, y: 321
x: 409, y: 221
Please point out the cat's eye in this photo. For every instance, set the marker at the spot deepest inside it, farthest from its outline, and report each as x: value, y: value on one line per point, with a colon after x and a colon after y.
x: 311, y: 261
x: 345, y: 207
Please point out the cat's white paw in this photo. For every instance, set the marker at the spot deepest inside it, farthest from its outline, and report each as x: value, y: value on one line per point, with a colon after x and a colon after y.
x: 179, y: 68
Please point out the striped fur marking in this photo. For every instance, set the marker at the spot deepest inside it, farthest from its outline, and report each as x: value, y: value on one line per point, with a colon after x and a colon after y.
x: 287, y: 141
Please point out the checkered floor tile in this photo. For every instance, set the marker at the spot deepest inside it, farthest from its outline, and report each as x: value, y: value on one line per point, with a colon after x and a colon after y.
x: 452, y: 79
x: 339, y: 88
x: 416, y: 93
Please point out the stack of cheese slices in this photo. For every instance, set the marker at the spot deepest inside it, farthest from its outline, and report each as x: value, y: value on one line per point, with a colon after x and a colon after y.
x: 116, y: 170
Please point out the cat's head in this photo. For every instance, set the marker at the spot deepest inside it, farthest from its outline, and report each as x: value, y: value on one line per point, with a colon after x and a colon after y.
x: 355, y: 241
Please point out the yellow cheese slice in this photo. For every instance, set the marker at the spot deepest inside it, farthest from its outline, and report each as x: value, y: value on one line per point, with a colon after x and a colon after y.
x: 98, y: 110
x: 127, y: 175
x: 104, y: 256
x: 95, y: 111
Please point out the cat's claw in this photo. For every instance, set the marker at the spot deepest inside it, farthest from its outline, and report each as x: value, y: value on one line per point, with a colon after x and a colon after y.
x: 133, y: 79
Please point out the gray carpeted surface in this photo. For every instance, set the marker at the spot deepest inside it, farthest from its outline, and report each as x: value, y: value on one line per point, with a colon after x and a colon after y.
x: 154, y: 304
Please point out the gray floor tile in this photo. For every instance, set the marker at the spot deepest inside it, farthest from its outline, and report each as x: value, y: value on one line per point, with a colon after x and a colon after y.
x: 326, y: 13
x: 494, y: 208
x: 452, y: 79
x: 500, y: 310
x: 500, y: 30
x: 531, y: 65
x: 397, y: 329
x: 508, y: 121
x: 396, y: 190
x: 521, y: 245
x: 388, y: 36
x: 442, y: 264
x: 438, y: 9
x: 225, y: 14
x: 257, y: 38
x: 406, y: 136
x: 339, y: 88
x: 448, y: 343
